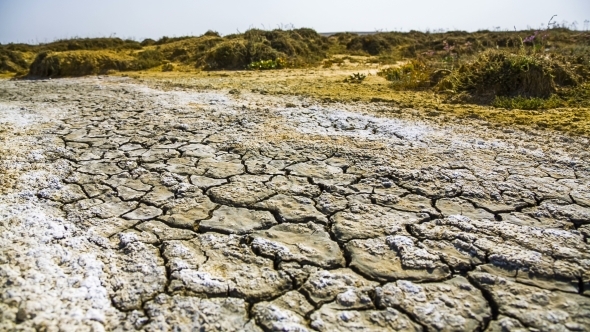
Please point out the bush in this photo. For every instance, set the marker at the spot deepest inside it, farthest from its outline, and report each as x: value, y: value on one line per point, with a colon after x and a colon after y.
x: 238, y: 54
x: 12, y: 61
x: 372, y: 44
x: 412, y: 75
x: 231, y: 54
x: 498, y: 73
x: 79, y: 63
x: 148, y: 59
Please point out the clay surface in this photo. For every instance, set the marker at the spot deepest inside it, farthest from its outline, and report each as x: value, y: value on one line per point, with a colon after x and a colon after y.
x: 128, y: 205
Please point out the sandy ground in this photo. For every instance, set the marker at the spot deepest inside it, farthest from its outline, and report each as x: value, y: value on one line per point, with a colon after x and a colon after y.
x: 160, y: 205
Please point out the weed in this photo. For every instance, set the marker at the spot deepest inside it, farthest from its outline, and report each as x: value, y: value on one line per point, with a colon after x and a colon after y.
x: 356, y: 78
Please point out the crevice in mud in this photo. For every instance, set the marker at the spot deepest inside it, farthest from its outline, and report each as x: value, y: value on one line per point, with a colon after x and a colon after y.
x: 495, y: 309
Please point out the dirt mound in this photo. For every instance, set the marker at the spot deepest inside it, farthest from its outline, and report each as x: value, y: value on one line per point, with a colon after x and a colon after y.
x: 497, y: 73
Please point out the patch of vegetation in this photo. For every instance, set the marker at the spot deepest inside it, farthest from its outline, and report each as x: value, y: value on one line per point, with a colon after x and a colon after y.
x: 414, y: 74
x: 79, y: 63
x: 524, y: 103
x: 148, y: 59
x: 529, y: 77
x: 12, y: 61
x: 268, y: 64
x: 62, y: 45
x: 356, y: 78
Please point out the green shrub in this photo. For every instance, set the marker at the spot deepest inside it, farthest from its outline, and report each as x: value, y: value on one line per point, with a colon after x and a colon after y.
x: 12, y: 61
x: 356, y: 78
x: 230, y: 54
x: 412, y: 75
x: 371, y: 44
x: 498, y: 73
x: 148, y: 59
x: 79, y: 63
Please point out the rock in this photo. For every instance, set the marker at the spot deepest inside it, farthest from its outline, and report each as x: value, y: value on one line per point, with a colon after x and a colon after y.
x: 293, y: 208
x: 230, y: 220
x: 303, y: 243
x: 451, y: 305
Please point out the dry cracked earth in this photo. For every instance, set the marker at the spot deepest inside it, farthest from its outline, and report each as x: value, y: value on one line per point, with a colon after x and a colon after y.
x: 127, y: 206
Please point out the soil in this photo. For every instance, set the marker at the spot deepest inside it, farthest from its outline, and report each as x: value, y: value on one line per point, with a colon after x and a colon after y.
x: 220, y: 203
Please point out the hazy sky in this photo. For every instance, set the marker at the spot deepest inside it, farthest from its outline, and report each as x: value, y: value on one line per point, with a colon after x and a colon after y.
x: 45, y: 20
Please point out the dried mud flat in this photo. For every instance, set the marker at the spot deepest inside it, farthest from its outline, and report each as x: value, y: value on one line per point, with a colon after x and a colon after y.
x: 128, y: 207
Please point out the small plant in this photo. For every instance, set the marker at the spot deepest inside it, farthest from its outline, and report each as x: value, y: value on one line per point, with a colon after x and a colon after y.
x: 168, y: 67
x: 412, y: 75
x: 356, y: 78
x: 268, y: 64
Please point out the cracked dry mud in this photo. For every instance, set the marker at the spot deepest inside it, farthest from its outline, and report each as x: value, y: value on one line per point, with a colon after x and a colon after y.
x: 126, y: 206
